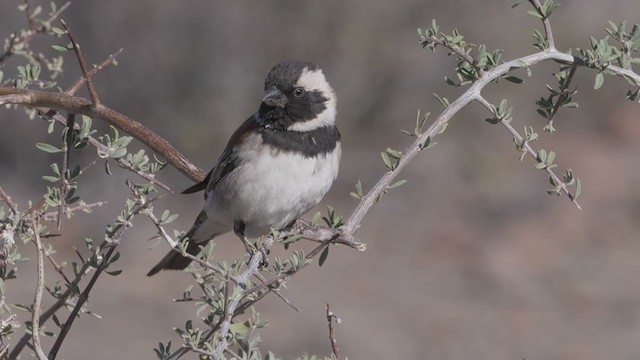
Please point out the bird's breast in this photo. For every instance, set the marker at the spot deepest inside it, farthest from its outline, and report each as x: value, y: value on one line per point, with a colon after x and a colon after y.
x: 272, y: 187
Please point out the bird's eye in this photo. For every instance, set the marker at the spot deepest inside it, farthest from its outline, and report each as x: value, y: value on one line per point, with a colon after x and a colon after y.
x: 297, y: 92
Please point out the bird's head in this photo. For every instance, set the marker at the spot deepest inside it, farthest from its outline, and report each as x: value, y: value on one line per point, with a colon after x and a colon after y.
x: 297, y: 98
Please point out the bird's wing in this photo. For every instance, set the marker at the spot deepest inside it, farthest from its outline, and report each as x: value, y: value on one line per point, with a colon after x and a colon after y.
x: 228, y: 161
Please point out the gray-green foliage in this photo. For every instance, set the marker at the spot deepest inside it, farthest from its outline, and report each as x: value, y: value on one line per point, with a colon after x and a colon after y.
x: 219, y: 283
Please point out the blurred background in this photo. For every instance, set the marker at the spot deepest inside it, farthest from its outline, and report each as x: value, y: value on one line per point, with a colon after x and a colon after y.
x: 470, y: 259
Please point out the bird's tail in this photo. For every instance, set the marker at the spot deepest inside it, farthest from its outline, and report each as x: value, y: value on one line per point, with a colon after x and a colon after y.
x: 174, y: 260
x: 200, y: 233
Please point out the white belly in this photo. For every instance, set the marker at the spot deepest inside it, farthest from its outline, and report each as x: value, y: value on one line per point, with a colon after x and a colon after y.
x: 273, y: 189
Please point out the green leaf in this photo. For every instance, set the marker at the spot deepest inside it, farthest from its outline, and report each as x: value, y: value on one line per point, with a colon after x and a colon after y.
x: 323, y: 256
x: 48, y: 148
x: 386, y: 160
x: 599, y: 80
x: 397, y: 184
x: 59, y: 48
x: 514, y: 79
x: 58, y: 31
x: 119, y: 153
x: 534, y: 13
x: 114, y: 272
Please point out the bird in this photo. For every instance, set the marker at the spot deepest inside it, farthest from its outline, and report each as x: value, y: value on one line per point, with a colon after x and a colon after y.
x: 276, y: 166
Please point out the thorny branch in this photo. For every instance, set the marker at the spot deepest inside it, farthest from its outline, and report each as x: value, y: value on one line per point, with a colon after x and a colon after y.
x: 83, y: 66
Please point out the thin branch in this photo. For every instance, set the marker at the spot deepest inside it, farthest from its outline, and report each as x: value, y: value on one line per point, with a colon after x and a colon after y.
x: 463, y: 55
x: 64, y: 182
x: 7, y: 200
x: 15, y: 39
x: 83, y: 66
x: 564, y: 92
x: 78, y: 105
x: 52, y: 215
x: 27, y: 10
x: 78, y: 84
x: 37, y: 299
x: 531, y: 152
x: 115, y: 235
x: 545, y: 22
x: 277, y: 292
x: 331, y: 317
x: 62, y: 301
x: 84, y: 296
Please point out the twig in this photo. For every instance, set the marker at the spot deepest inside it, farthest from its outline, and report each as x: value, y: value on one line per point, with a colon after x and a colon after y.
x: 463, y: 55
x: 64, y: 182
x: 27, y: 10
x: 57, y: 13
x: 83, y: 66
x: 117, y: 232
x: 7, y: 200
x: 84, y: 296
x: 331, y: 317
x: 37, y: 299
x: 48, y: 216
x: 207, y: 354
x: 57, y: 267
x: 547, y: 25
x: 13, y: 39
x: 531, y: 152
x: 276, y: 291
x: 62, y: 301
x: 26, y: 39
x: 108, y: 61
x: 564, y: 92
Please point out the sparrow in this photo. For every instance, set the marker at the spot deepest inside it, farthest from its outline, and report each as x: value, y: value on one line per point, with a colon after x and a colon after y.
x: 276, y: 166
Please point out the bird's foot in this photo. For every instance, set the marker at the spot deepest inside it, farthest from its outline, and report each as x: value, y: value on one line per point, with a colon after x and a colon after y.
x: 249, y: 247
x: 264, y: 263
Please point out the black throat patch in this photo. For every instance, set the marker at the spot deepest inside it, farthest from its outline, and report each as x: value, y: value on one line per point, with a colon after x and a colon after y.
x: 311, y: 143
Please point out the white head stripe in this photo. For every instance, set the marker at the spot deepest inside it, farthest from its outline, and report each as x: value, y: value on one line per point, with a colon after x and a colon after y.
x: 314, y: 80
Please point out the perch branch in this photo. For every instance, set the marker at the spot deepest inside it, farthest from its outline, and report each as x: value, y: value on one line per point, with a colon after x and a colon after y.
x: 78, y: 105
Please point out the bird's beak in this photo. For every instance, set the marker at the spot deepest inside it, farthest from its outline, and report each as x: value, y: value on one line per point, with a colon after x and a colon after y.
x: 274, y: 97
